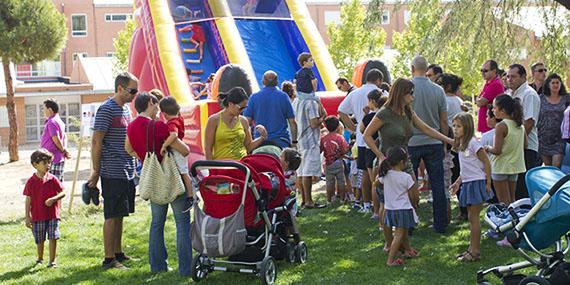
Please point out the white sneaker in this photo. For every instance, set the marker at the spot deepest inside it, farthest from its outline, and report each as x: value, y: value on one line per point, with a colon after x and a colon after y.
x: 365, y: 210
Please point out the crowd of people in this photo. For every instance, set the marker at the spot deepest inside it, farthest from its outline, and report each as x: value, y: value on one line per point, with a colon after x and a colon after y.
x: 386, y: 143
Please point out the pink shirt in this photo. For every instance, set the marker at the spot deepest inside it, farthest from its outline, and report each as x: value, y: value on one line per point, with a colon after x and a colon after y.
x: 491, y: 90
x: 471, y: 167
x: 396, y: 186
x: 53, y: 126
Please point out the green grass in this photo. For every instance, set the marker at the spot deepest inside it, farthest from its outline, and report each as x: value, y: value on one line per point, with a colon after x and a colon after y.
x: 344, y: 248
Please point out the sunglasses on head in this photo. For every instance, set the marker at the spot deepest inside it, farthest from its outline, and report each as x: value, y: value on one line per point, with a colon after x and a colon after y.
x: 133, y: 91
x: 542, y: 70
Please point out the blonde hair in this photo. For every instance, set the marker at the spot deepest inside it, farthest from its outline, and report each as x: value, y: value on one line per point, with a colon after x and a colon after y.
x: 157, y: 93
x: 466, y: 121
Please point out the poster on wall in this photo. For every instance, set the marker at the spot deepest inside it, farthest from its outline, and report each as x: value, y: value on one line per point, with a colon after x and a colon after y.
x: 88, y: 118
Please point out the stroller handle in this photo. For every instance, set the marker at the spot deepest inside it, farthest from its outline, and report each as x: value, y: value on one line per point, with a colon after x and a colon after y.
x: 217, y: 164
x: 558, y: 185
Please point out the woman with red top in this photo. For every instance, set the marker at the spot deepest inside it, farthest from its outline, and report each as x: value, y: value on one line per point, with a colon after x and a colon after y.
x: 135, y: 144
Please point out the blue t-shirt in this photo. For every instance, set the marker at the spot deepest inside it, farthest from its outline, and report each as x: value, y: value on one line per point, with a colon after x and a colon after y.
x: 271, y: 108
x: 113, y: 120
x: 304, y: 80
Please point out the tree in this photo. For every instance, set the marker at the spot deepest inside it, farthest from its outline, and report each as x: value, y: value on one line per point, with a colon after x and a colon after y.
x: 122, y: 44
x: 31, y: 31
x: 353, y: 38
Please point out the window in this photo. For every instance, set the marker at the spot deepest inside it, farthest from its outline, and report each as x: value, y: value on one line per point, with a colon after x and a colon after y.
x: 79, y: 25
x: 69, y: 112
x: 77, y: 54
x: 4, y: 123
x: 110, y: 53
x: 407, y: 17
x: 118, y: 17
x: 332, y: 17
x: 385, y: 17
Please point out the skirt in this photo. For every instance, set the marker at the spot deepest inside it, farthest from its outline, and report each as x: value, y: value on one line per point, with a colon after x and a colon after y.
x: 405, y: 218
x: 473, y: 193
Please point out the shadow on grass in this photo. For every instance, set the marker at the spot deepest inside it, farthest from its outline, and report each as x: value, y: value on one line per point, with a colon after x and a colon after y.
x: 18, y: 273
x: 14, y: 221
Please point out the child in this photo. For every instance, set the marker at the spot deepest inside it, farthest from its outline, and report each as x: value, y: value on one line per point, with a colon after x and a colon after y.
x: 207, y: 91
x: 198, y: 38
x: 400, y: 213
x: 290, y: 161
x: 488, y: 139
x: 474, y: 178
x: 306, y: 82
x: 508, y: 149
x: 43, y: 192
x: 334, y: 148
x: 171, y: 111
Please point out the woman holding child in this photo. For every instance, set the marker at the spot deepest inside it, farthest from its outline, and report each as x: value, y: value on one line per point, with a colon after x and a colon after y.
x: 135, y: 144
x: 228, y: 136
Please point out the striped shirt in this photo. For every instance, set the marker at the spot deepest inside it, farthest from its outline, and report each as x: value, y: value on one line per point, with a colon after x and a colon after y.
x: 113, y: 120
x: 305, y: 110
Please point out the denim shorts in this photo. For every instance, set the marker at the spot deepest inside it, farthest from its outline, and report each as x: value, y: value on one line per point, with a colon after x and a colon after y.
x: 503, y: 177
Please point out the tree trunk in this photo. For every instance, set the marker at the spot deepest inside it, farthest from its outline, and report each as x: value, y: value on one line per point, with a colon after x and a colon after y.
x: 11, y: 107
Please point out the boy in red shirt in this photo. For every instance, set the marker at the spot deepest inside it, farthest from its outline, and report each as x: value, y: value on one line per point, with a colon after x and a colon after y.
x: 334, y: 148
x: 171, y: 111
x: 43, y: 192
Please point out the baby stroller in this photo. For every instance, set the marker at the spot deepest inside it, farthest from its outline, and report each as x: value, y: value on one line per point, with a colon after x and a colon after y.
x: 534, y: 225
x: 247, y: 218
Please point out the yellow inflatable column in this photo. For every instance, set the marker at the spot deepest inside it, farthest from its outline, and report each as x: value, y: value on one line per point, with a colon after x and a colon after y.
x: 315, y: 42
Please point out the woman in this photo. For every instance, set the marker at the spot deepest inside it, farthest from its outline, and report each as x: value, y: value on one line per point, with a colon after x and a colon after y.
x: 135, y: 144
x: 552, y: 105
x: 227, y: 134
x: 289, y: 89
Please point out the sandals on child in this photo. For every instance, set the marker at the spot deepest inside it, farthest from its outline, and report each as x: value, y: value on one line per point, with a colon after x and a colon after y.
x: 411, y: 253
x: 468, y: 256
x: 396, y: 262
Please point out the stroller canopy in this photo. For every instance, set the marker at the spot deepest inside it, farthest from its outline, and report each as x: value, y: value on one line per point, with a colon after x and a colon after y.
x: 539, y: 180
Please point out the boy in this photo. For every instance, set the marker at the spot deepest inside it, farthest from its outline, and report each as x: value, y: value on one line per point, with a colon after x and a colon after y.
x: 171, y: 111
x: 306, y: 82
x: 43, y: 192
x: 334, y: 148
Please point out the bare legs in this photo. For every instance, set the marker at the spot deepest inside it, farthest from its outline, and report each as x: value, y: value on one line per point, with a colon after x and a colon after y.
x: 554, y: 160
x: 505, y: 191
x: 112, y: 236
x: 473, y: 212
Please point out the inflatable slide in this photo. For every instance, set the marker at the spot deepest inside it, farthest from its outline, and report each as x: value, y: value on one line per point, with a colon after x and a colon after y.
x: 178, y: 43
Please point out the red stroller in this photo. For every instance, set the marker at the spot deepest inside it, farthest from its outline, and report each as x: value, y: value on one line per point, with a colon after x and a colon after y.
x: 247, y: 218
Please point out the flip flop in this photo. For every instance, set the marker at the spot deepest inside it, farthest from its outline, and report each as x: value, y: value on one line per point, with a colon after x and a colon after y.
x: 396, y: 262
x: 469, y: 257
x: 316, y: 206
x: 411, y: 253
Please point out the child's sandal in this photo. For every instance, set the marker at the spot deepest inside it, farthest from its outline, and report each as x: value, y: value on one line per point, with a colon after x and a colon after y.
x: 469, y: 257
x: 411, y: 253
x: 396, y: 262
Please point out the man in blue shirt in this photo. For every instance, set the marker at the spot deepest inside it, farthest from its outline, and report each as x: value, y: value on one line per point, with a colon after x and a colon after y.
x: 272, y: 108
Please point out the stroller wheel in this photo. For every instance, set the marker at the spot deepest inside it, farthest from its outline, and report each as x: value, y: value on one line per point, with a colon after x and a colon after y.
x: 291, y: 253
x: 302, y: 252
x: 199, y: 269
x: 268, y: 272
x: 534, y: 280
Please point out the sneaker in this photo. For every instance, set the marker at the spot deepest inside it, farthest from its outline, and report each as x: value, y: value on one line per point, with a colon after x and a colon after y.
x: 52, y: 265
x: 365, y: 210
x: 504, y: 242
x: 375, y: 217
x: 86, y: 194
x: 39, y: 262
x: 356, y: 206
x: 492, y: 234
x: 114, y: 264
x: 95, y: 196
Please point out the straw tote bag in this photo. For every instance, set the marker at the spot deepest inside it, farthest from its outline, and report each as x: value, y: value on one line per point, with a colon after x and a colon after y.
x: 159, y: 182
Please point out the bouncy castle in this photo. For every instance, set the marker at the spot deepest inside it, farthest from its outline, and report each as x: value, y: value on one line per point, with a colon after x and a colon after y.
x: 178, y: 44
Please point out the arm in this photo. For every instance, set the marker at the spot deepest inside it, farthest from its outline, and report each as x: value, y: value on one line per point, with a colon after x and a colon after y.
x: 96, y: 149
x: 54, y: 199
x: 427, y: 130
x: 172, y: 137
x: 293, y: 125
x: 345, y: 119
x: 372, y: 128
x: 180, y: 147
x: 455, y: 186
x: 59, y: 146
x: 528, y: 125
x: 443, y: 126
x: 525, y: 140
x: 481, y: 101
x: 314, y: 82
x: 315, y: 123
x: 209, y: 136
x: 28, y: 212
x: 129, y: 149
x: 414, y: 195
x: 482, y: 155
x: 248, y: 142
x: 500, y: 134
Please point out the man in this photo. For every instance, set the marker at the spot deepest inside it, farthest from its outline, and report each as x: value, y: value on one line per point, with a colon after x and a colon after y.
x: 538, y: 76
x: 430, y: 105
x: 434, y: 71
x: 492, y: 88
x: 272, y: 108
x: 343, y: 85
x: 54, y: 139
x: 115, y: 166
x: 516, y: 77
x: 354, y: 103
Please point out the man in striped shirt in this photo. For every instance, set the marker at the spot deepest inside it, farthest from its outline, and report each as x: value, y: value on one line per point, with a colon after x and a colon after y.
x: 115, y: 166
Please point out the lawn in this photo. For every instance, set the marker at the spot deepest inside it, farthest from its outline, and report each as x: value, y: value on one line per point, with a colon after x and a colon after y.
x: 345, y: 247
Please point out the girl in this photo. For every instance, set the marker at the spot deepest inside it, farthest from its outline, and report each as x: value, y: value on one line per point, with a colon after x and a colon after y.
x: 399, y: 213
x: 508, y: 149
x: 474, y: 178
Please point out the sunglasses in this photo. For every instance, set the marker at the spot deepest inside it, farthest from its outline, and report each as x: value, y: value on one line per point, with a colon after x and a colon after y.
x: 542, y: 70
x: 241, y: 108
x: 133, y: 91
x: 484, y: 70
x: 412, y: 92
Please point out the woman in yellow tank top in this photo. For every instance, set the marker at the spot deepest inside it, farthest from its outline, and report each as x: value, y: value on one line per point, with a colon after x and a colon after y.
x: 227, y: 133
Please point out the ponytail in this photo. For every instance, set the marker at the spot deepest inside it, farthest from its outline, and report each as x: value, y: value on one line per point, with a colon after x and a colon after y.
x: 518, y: 112
x: 511, y: 106
x: 394, y: 155
x: 376, y: 96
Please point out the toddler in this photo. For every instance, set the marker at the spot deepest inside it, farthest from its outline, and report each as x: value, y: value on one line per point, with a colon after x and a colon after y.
x: 43, y: 192
x: 306, y: 82
x: 171, y: 111
x: 334, y: 148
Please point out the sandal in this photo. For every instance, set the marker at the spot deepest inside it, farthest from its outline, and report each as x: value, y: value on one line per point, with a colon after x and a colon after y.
x: 411, y: 253
x: 386, y: 249
x: 396, y: 262
x: 469, y: 257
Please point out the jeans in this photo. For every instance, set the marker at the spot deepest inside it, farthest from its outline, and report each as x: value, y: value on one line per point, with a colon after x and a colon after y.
x: 156, y: 247
x: 432, y: 155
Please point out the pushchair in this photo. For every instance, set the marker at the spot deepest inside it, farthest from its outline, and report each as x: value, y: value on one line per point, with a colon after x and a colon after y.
x: 247, y: 220
x: 536, y: 225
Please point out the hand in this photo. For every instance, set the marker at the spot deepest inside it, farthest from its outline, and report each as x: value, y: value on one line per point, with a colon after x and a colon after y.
x: 163, y: 151
x: 488, y: 186
x: 93, y: 179
x: 366, y: 110
x: 29, y: 222
x: 262, y: 131
x: 454, y: 188
x: 66, y: 154
x: 49, y: 202
x: 415, y: 198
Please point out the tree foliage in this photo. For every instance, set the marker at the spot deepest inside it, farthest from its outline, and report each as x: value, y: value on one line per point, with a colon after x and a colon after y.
x: 354, y: 38
x: 122, y: 44
x: 31, y: 31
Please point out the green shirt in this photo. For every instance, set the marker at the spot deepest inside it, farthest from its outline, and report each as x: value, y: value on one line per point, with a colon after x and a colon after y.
x: 511, y: 159
x: 396, y: 129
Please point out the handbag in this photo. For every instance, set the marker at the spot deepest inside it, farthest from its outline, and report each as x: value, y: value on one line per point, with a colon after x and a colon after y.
x: 159, y: 182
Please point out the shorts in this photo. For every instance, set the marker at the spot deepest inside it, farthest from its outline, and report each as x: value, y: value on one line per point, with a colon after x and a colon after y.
x: 369, y: 158
x: 181, y: 162
x: 41, y: 228
x: 361, y: 159
x: 503, y: 177
x: 356, y: 179
x: 335, y: 173
x: 118, y: 197
x: 310, y: 163
x: 57, y: 169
